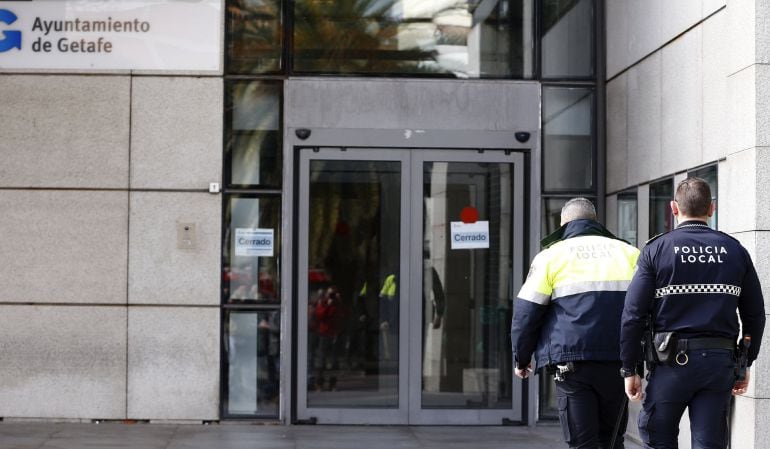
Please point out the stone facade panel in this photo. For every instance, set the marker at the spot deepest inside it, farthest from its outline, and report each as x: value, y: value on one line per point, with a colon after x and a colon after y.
x: 176, y: 132
x: 173, y: 363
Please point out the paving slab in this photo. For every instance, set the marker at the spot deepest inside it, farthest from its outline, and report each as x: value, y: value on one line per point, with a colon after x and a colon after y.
x: 55, y: 435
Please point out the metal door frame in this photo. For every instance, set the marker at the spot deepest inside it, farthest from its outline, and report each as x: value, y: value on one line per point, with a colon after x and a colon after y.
x: 409, y: 410
x: 351, y: 415
x: 444, y: 416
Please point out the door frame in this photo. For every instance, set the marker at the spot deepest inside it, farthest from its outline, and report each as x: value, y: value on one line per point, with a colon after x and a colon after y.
x: 409, y: 410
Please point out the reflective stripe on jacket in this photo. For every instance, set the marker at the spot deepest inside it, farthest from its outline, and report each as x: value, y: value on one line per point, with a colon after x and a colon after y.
x: 569, y: 307
x: 692, y: 280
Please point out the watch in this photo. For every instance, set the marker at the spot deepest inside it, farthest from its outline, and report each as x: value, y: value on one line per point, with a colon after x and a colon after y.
x: 624, y: 372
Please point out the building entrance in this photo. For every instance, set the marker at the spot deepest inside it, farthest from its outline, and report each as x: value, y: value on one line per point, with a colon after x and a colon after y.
x: 409, y: 260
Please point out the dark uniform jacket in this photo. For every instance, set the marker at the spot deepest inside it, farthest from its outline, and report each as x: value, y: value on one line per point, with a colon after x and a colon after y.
x: 569, y: 307
x: 692, y: 280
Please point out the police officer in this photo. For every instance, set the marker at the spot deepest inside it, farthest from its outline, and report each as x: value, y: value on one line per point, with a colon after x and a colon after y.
x: 568, y: 312
x: 689, y: 283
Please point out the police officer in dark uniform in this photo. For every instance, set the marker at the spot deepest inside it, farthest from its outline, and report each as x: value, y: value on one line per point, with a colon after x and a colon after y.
x: 688, y: 284
x: 568, y: 314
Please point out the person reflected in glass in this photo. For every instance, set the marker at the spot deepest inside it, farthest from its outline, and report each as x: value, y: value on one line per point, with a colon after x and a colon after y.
x: 268, y: 331
x: 358, y: 337
x: 312, y: 336
x: 389, y: 318
x: 327, y: 313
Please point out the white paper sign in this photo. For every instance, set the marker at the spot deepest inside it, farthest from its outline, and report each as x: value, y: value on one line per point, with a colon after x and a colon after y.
x: 151, y: 35
x: 254, y: 242
x: 469, y: 235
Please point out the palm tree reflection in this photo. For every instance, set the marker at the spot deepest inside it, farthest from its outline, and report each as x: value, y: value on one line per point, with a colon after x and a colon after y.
x: 462, y: 38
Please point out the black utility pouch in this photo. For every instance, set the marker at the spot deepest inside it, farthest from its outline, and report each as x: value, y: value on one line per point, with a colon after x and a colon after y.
x: 664, y: 344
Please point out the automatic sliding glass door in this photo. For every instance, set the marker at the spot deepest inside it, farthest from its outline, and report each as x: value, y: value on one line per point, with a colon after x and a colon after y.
x: 410, y: 258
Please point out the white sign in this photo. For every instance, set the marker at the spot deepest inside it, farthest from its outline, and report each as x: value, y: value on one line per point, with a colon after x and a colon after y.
x: 469, y: 235
x: 151, y: 35
x: 254, y: 242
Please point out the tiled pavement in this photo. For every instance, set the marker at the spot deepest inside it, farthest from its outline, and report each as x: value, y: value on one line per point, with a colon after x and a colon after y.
x: 21, y: 435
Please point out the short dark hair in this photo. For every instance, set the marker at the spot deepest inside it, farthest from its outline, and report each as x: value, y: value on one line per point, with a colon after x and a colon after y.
x: 693, y: 196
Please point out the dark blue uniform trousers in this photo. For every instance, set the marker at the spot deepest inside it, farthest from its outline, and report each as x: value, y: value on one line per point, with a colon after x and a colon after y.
x: 590, y: 400
x: 704, y: 385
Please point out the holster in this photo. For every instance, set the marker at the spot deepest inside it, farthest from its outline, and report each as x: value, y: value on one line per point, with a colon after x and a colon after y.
x: 560, y: 370
x: 650, y: 357
x: 664, y: 345
x: 742, y: 355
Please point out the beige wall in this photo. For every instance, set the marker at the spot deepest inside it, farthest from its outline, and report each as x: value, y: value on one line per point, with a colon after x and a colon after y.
x: 97, y: 173
x: 688, y: 85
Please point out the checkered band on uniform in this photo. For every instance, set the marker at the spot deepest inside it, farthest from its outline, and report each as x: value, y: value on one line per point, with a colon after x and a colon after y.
x: 688, y: 289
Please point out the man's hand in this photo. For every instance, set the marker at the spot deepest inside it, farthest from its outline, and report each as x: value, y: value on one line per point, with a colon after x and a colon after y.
x: 523, y: 373
x: 634, y: 388
x: 741, y: 385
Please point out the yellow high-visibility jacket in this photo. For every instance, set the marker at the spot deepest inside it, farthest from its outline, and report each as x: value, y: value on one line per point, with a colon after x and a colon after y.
x: 569, y: 307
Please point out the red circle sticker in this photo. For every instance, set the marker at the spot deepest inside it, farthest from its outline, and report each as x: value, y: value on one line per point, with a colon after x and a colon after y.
x: 469, y: 215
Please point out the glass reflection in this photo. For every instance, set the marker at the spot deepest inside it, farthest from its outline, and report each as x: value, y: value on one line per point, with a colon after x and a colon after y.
x: 568, y: 138
x: 627, y: 217
x: 252, y: 347
x: 253, y: 144
x: 548, y: 408
x: 709, y: 174
x: 462, y: 38
x: 353, y: 286
x: 252, y: 260
x: 551, y: 215
x: 254, y: 36
x: 661, y: 194
x: 567, y: 38
x: 466, y: 292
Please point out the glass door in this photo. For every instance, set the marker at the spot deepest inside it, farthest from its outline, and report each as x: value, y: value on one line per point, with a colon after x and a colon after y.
x: 466, y: 256
x: 353, y: 240
x: 408, y: 262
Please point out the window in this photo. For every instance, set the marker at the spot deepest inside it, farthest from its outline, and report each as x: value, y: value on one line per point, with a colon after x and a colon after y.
x: 251, y: 218
x: 568, y: 138
x: 709, y: 174
x: 252, y: 248
x: 567, y: 39
x: 552, y: 214
x: 568, y: 30
x: 253, y: 139
x: 251, y: 353
x: 464, y: 39
x: 255, y: 36
x: 628, y: 217
x: 661, y: 194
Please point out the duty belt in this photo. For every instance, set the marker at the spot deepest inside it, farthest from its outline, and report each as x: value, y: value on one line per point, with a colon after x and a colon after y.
x: 705, y: 343
x: 687, y: 344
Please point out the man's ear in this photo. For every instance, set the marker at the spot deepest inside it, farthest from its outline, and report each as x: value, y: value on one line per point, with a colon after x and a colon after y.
x: 674, y: 208
x: 712, y: 209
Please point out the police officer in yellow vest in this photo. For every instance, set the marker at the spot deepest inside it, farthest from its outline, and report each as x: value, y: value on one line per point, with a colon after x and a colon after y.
x: 567, y: 315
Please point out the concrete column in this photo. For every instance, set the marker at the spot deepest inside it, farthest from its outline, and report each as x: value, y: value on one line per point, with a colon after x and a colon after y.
x: 745, y: 175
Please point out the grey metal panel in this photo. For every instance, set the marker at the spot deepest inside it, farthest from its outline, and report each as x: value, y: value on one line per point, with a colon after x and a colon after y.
x: 384, y: 103
x: 414, y: 138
